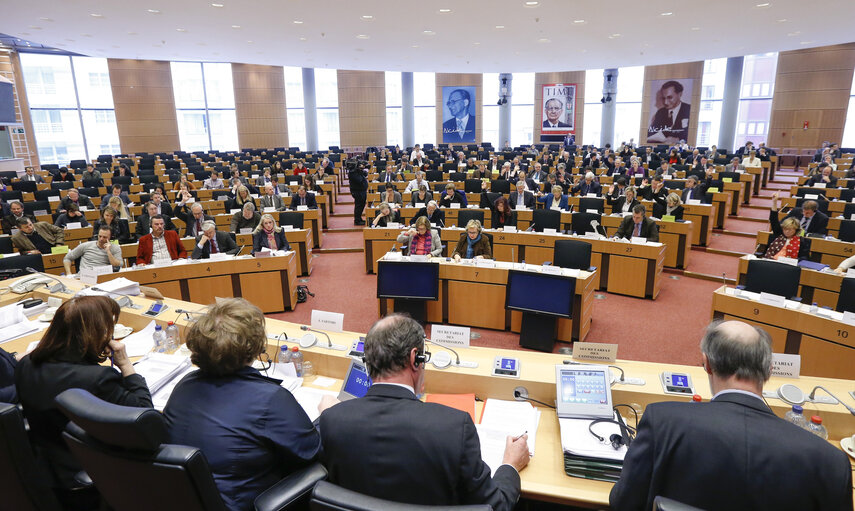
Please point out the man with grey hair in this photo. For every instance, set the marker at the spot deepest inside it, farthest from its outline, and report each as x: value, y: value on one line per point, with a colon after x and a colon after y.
x: 434, y: 214
x: 731, y: 453
x: 390, y: 445
x: 246, y: 218
x: 192, y: 216
x: 587, y: 186
x: 413, y: 186
x: 211, y: 241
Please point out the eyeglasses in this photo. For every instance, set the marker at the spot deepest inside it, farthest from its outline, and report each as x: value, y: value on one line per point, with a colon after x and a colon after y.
x: 453, y: 101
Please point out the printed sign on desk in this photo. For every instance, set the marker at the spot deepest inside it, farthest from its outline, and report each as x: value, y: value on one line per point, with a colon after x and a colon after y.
x: 331, y: 321
x: 596, y: 351
x: 454, y: 336
x: 786, y: 365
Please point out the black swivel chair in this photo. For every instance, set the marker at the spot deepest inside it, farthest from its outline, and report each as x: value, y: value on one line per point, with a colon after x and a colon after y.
x: 10, y: 195
x: 93, y: 183
x: 573, y: 254
x: 293, y: 218
x: 123, y: 180
x: 500, y: 186
x: 472, y: 186
x: 6, y: 245
x: 488, y: 199
x: 61, y: 185
x: 330, y: 497
x: 586, y: 203
x: 457, y: 176
x: 122, y: 449
x: 821, y: 205
x: 663, y: 504
x: 764, y: 276
x: 146, y: 179
x: 433, y: 175
x: 546, y: 219
x: 465, y: 215
x: 847, y: 230
x: 44, y: 195
x: 22, y: 262
x: 39, y: 205
x: 24, y: 186
x: 849, y: 209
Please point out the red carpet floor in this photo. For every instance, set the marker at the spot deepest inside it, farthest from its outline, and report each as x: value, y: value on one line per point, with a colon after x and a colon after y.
x: 732, y: 243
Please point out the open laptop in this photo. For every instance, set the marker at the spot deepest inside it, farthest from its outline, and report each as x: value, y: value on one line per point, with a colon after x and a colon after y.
x: 356, y: 381
x: 583, y: 392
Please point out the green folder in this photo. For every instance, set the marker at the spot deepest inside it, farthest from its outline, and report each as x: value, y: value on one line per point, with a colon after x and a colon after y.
x: 727, y: 179
x: 713, y: 189
x: 62, y: 249
x: 668, y: 218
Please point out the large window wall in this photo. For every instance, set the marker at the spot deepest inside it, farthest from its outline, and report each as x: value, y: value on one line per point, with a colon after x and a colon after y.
x: 630, y: 83
x: 326, y: 99
x: 490, y: 110
x: 424, y: 101
x: 522, y: 109
x: 71, y: 105
x: 593, y: 107
x: 849, y: 128
x: 755, y: 98
x: 394, y: 109
x: 712, y: 99
x: 205, y: 106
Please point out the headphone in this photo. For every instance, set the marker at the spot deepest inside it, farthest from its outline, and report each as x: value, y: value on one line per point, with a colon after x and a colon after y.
x: 422, y: 356
x: 627, y: 433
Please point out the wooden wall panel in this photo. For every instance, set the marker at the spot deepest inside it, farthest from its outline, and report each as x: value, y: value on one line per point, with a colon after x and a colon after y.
x: 362, y: 108
x: 145, y: 106
x: 811, y: 85
x: 260, y: 106
x: 577, y: 77
x: 23, y: 146
x: 693, y: 70
x: 464, y: 80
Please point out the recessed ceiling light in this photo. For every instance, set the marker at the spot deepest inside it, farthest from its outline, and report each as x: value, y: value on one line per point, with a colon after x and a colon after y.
x: 666, y: 13
x: 806, y: 42
x: 181, y: 30
x: 96, y: 15
x: 367, y: 17
x: 35, y: 27
x: 782, y: 20
x: 578, y: 22
x: 154, y: 11
x: 45, y: 19
x: 86, y: 35
x: 613, y: 36
x: 236, y: 27
x: 765, y: 4
x: 250, y: 42
x: 363, y: 36
x: 302, y: 38
x: 444, y: 11
x: 500, y: 27
x: 797, y: 32
x: 696, y: 28
x: 216, y: 5
x: 532, y: 3
x: 414, y: 46
x: 132, y: 33
x: 298, y: 22
x: 428, y: 32
x: 476, y: 43
x: 543, y: 40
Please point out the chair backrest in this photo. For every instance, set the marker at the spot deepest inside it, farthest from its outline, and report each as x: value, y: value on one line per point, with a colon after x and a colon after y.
x: 10, y: 195
x: 662, y: 504
x: 92, y: 183
x: 849, y: 209
x: 488, y: 199
x: 294, y: 218
x: 61, y: 185
x: 22, y: 262
x: 457, y: 176
x: 500, y: 186
x: 89, y: 192
x: 42, y: 195
x: 37, y: 205
x: 143, y: 172
x: 24, y: 186
x: 846, y: 299
x: 847, y: 230
x: 573, y: 254
x: 433, y: 175
x: 546, y: 219
x: 6, y: 245
x: 122, y: 180
x: 465, y: 215
x: 472, y: 186
x: 765, y: 276
x: 821, y: 205
x: 23, y: 489
x: 121, y: 448
x: 145, y: 179
x: 586, y: 203
x: 581, y: 222
x: 330, y: 497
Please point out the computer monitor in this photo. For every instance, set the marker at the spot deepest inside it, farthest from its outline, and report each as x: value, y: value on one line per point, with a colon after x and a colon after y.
x: 540, y: 293
x: 408, y: 280
x: 583, y: 391
x: 356, y: 382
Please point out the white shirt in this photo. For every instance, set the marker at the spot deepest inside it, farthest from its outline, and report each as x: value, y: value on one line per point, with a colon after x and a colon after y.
x: 462, y: 122
x: 746, y: 162
x: 737, y: 391
x: 417, y: 155
x: 413, y: 186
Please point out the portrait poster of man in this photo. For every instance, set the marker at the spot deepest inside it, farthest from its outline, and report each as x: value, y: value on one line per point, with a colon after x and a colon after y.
x: 558, y: 115
x: 458, y: 116
x: 669, y: 111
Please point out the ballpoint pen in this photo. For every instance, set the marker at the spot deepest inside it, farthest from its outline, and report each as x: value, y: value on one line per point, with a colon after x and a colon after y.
x: 523, y: 433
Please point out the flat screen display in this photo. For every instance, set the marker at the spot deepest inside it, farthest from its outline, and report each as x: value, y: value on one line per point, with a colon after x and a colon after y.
x: 414, y: 280
x: 357, y: 381
x: 7, y: 103
x: 509, y: 363
x: 679, y: 380
x: 540, y: 293
x: 584, y: 387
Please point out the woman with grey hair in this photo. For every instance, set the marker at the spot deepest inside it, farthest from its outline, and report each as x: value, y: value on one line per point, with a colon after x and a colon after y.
x: 269, y: 235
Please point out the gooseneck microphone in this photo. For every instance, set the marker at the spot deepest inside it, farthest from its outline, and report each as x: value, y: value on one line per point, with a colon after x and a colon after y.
x: 330, y: 344
x: 457, y: 362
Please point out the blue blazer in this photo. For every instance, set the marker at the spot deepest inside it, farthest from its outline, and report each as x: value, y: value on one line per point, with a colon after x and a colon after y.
x: 549, y: 199
x: 259, y: 240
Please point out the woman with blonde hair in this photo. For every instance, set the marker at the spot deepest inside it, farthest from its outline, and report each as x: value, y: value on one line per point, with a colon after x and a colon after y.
x: 269, y: 235
x: 473, y: 244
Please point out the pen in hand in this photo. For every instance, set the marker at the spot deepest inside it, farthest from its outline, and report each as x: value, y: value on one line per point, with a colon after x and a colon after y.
x: 523, y: 433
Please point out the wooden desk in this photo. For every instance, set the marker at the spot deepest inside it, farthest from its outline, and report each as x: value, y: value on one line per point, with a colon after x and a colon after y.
x: 676, y: 236
x: 831, y: 252
x: 464, y: 285
x: 268, y: 282
x: 311, y: 221
x: 300, y: 241
x: 815, y: 286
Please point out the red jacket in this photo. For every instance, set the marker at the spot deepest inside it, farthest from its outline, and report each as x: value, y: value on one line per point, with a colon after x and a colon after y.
x: 145, y: 248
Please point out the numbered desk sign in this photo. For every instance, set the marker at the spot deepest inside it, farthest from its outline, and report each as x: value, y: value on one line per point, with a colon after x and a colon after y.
x: 669, y: 218
x: 727, y: 180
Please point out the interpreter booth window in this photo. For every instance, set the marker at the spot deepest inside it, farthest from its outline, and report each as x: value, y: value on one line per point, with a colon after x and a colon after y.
x: 630, y: 82
x: 712, y: 98
x: 849, y: 127
x: 294, y: 107
x: 205, y: 106
x: 593, y: 113
x: 522, y: 109
x: 755, y: 98
x: 490, y: 110
x: 326, y: 100
x: 71, y: 106
x: 424, y: 101
x: 394, y: 118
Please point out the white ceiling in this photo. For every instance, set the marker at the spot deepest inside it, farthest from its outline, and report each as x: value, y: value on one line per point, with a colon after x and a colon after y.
x: 414, y: 35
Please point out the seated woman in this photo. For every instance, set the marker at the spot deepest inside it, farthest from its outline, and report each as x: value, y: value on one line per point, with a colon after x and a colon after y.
x: 392, y: 196
x: 385, y: 216
x: 555, y: 200
x: 421, y: 239
x: 422, y: 196
x: 269, y: 235
x: 311, y: 184
x: 241, y: 197
x: 120, y: 208
x: 785, y: 240
x: 450, y: 197
x: 635, y: 169
x: 674, y: 157
x: 184, y: 181
x: 124, y: 170
x: 473, y: 244
x: 8, y: 392
x: 625, y: 202
x: 673, y: 206
x: 502, y: 214
x: 118, y: 230
x: 69, y: 355
x: 257, y: 433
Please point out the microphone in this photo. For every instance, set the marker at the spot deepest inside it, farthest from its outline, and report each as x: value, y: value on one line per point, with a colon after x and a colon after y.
x: 530, y: 228
x: 330, y: 345
x: 627, y: 381
x: 596, y: 224
x: 60, y: 287
x: 187, y: 313
x: 813, y: 392
x: 456, y: 362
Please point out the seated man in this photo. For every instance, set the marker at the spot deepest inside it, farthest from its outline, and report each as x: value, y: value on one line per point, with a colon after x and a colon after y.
x: 271, y: 199
x: 390, y: 445
x: 521, y: 197
x: 731, y: 453
x: 162, y: 205
x: 586, y: 186
x: 10, y: 221
x: 734, y: 165
x: 91, y: 174
x: 389, y: 175
x: 638, y: 225
x: 37, y: 238
x: 434, y: 214
x: 213, y: 182
x: 212, y: 241
x: 693, y: 190
x: 303, y: 198
x: 192, y: 217
x: 78, y: 199
x: 115, y: 191
x: 72, y: 214
x: 95, y: 253
x: 655, y: 191
x: 30, y: 175
x: 160, y: 245
x: 823, y: 176
x: 246, y: 218
x: 144, y: 220
x: 812, y: 220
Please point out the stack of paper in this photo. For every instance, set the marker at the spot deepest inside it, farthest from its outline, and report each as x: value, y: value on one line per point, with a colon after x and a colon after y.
x: 140, y: 343
x: 309, y: 399
x: 158, y: 369
x: 501, y: 419
x: 120, y: 286
x: 14, y: 324
x: 587, y: 457
x: 161, y: 397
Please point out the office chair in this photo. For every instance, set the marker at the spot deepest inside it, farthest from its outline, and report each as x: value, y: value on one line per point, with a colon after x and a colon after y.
x: 580, y: 222
x: 38, y: 205
x: 93, y: 183
x: 89, y: 192
x: 24, y: 186
x: 122, y: 448
x: 433, y: 175
x: 662, y: 504
x: 61, y: 185
x: 123, y: 180
x: 488, y: 199
x: 330, y: 497
x: 143, y: 179
x: 10, y: 195
x: 21, y: 263
x: 449, y: 167
x: 172, y: 164
x: 465, y: 215
x: 457, y: 176
x: 472, y: 186
x: 6, y: 246
x: 546, y: 219
x: 42, y: 195
x: 586, y: 203
x: 847, y: 230
x: 294, y: 218
x: 574, y: 254
x: 847, y: 194
x: 500, y: 186
x: 144, y: 172
x: 77, y: 164
x: 765, y: 276
x: 821, y: 205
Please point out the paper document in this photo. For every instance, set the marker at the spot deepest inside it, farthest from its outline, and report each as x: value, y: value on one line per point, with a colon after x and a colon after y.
x: 14, y: 324
x: 492, y: 446
x: 140, y: 343
x: 161, y: 397
x: 578, y: 441
x: 120, y: 286
x: 513, y: 418
x: 309, y: 398
x: 158, y: 369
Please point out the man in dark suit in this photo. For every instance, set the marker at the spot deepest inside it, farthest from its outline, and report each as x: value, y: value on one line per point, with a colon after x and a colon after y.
x: 389, y: 175
x: 144, y: 220
x: 116, y: 191
x: 638, y: 225
x: 650, y: 158
x: 192, y: 217
x: 672, y: 120
x: 16, y: 211
x: 212, y: 241
x: 303, y: 198
x: 655, y: 191
x: 731, y: 453
x: 823, y: 176
x: 434, y: 214
x: 390, y: 445
x: 30, y: 175
x: 163, y: 207
x: 810, y: 218
x: 693, y: 190
x: 77, y: 198
x: 521, y: 197
x: 554, y: 109
x: 461, y: 127
x: 587, y: 185
x: 358, y: 190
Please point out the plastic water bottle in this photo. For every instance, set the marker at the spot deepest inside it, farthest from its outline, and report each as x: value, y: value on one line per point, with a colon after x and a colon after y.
x: 297, y: 359
x: 284, y: 355
x: 797, y: 417
x: 817, y: 428
x: 159, y: 339
x: 172, y: 335
x: 814, y: 308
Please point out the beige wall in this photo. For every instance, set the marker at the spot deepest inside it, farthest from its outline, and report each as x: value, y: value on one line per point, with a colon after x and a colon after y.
x: 362, y: 108
x: 693, y: 70
x: 260, y: 105
x: 145, y: 106
x: 577, y: 77
x: 23, y: 146
x: 463, y: 80
x: 811, y: 85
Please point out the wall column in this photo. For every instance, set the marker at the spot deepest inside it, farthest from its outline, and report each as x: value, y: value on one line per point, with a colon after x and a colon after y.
x: 730, y: 104
x: 408, y: 109
x: 607, y: 124
x: 310, y: 109
x: 505, y: 90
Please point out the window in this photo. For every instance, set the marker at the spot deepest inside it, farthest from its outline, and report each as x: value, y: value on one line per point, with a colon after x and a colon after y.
x: 522, y: 109
x: 711, y: 102
x: 490, y: 110
x: 294, y: 103
x: 394, y: 110
x: 755, y: 102
x: 205, y: 106
x: 630, y: 82
x: 326, y: 99
x: 71, y: 104
x: 593, y: 113
x: 424, y: 101
x: 849, y: 128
